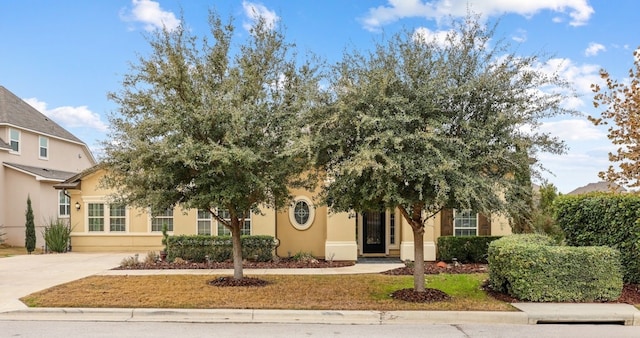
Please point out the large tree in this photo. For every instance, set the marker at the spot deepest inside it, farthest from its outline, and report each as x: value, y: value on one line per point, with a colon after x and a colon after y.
x: 621, y: 100
x: 198, y: 126
x: 419, y: 125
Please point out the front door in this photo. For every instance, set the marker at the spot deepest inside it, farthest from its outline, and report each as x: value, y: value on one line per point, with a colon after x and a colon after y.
x: 373, y: 234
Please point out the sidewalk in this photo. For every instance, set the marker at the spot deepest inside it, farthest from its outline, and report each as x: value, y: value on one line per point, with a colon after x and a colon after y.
x: 23, y: 275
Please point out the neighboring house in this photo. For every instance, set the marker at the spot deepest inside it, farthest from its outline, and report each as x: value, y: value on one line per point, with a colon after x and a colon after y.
x: 35, y: 154
x: 598, y: 187
x: 103, y: 226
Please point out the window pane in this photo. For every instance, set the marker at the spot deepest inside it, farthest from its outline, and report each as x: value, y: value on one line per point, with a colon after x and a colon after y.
x: 44, y: 145
x: 14, y: 140
x: 96, y: 216
x: 224, y: 231
x: 117, y: 219
x: 301, y: 212
x: 64, y: 204
x: 165, y: 217
x: 204, y: 227
x: 465, y: 223
x: 204, y: 222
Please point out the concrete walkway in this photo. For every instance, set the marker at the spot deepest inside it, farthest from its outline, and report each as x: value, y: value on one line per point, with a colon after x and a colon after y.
x: 23, y: 275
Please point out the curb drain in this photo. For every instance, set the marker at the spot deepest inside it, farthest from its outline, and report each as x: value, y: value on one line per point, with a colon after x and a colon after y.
x: 581, y: 322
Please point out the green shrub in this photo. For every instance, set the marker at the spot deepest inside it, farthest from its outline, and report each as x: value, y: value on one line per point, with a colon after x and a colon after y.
x: 30, y: 228
x: 465, y: 249
x: 604, y: 219
x: 198, y: 248
x: 532, y: 268
x: 57, y: 235
x: 302, y: 256
x: 2, y: 234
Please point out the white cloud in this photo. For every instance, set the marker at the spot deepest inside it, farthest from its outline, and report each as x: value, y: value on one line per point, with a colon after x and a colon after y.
x: 70, y: 117
x: 579, y: 11
x: 255, y: 11
x: 440, y: 38
x: 594, y: 48
x: 151, y: 15
x: 520, y: 36
x: 581, y: 77
x: 573, y: 129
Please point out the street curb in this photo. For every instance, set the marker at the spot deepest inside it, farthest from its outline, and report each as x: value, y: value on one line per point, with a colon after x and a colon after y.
x: 266, y: 316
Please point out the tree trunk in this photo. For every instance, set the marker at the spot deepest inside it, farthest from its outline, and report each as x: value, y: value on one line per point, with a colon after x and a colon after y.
x: 418, y: 256
x: 237, y: 248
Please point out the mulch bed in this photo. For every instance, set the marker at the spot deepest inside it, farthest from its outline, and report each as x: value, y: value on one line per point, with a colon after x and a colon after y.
x: 245, y: 281
x: 281, y: 264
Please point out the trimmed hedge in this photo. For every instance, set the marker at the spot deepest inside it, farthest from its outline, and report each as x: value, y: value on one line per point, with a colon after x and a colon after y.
x: 196, y: 248
x: 533, y: 268
x: 604, y: 219
x: 465, y: 249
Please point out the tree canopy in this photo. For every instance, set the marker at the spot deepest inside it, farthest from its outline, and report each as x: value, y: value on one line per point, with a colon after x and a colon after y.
x: 198, y: 126
x: 621, y: 101
x: 420, y: 124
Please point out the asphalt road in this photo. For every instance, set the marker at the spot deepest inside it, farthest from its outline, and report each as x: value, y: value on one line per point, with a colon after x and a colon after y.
x: 65, y: 329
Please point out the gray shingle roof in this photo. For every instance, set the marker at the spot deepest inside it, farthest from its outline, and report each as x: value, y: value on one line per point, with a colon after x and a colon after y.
x: 47, y: 174
x: 4, y: 144
x: 14, y: 111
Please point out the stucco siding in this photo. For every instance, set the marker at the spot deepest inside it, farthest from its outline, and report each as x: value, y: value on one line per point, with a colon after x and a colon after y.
x: 18, y: 186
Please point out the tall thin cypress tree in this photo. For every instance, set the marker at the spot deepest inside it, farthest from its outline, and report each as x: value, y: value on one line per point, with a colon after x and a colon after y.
x: 30, y: 229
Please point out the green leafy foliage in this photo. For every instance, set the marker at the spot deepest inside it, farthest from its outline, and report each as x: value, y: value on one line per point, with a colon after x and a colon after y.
x: 419, y: 125
x: 30, y: 228
x: 465, y: 249
x: 542, y: 220
x: 57, y: 235
x: 203, y: 128
x: 604, y: 219
x: 2, y: 234
x: 532, y: 268
x: 196, y: 248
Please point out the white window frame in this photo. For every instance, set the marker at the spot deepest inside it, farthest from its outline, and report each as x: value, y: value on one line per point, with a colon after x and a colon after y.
x: 45, y: 147
x: 167, y: 215
x: 222, y: 230
x: 16, y: 140
x: 392, y: 227
x: 114, y: 217
x: 97, y: 217
x: 64, y: 201
x: 204, y: 220
x: 461, y: 218
x: 292, y: 213
x: 106, y: 217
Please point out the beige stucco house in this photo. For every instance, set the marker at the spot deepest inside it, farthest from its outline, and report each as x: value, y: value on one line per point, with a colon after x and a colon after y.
x: 99, y: 225
x: 35, y: 154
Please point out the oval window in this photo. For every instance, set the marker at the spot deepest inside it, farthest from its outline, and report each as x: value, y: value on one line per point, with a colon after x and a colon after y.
x: 301, y: 213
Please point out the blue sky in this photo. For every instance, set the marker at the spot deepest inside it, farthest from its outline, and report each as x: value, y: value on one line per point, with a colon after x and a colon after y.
x: 63, y: 57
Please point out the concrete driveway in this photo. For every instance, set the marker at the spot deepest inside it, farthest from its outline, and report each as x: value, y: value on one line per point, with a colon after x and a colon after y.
x: 25, y: 274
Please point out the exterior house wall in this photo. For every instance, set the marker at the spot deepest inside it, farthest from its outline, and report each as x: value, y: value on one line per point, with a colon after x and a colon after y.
x: 310, y: 240
x: 43, y: 198
x: 16, y: 185
x: 62, y: 154
x: 333, y: 236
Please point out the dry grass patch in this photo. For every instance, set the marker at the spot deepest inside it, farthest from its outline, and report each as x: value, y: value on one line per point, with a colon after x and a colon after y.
x: 8, y: 251
x: 314, y: 292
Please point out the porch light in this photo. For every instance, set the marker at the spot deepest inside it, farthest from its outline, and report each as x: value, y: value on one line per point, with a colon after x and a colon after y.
x: 77, y: 206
